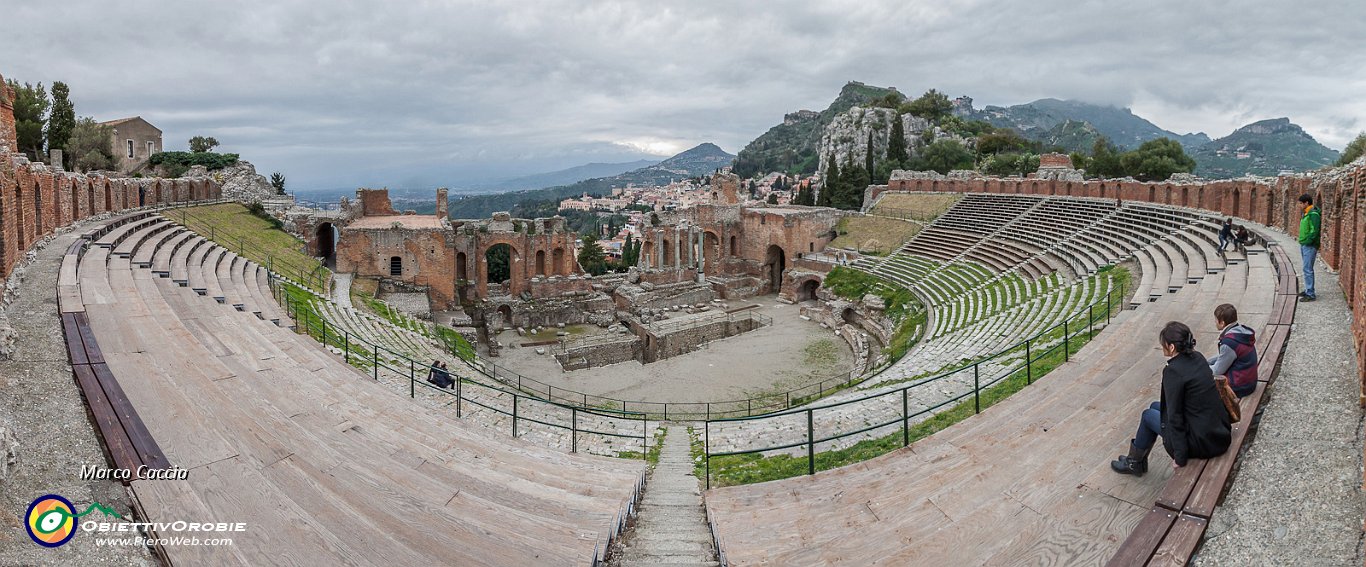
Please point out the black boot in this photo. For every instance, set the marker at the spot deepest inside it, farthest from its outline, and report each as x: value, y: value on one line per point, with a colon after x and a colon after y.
x: 1135, y: 463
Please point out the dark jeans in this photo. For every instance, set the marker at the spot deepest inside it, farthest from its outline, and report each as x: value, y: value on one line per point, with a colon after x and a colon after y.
x: 1149, y: 427
x: 1223, y: 242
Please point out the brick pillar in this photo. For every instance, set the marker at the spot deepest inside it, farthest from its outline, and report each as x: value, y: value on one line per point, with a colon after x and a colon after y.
x: 678, y: 235
x: 442, y: 203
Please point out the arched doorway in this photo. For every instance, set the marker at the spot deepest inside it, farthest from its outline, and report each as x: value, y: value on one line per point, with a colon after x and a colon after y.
x: 711, y: 252
x: 1236, y: 197
x: 396, y: 266
x: 326, y: 235
x: 461, y: 271
x: 540, y: 262
x: 142, y: 196
x: 775, y: 262
x: 505, y: 313
x: 557, y: 262
x: 807, y: 291
x: 498, y: 264
x: 734, y: 250
x: 668, y: 254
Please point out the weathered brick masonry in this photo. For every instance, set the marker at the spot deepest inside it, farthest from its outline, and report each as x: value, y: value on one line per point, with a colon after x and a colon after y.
x: 1340, y: 194
x: 36, y: 200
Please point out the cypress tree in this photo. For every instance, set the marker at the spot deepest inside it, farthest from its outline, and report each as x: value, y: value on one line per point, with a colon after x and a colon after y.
x: 896, y: 146
x: 868, y: 163
x: 61, y: 121
x: 830, y: 184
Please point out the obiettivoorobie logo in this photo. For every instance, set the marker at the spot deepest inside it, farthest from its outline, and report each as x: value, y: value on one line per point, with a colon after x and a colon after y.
x: 51, y: 519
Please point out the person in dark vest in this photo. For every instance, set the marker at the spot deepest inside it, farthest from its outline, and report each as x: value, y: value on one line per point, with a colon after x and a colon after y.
x: 432, y: 371
x: 1241, y: 239
x: 1225, y: 234
x: 1237, y: 358
x: 443, y: 376
x: 1190, y: 418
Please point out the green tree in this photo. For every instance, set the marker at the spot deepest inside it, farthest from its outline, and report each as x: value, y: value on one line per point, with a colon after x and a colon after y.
x: 591, y: 258
x: 853, y: 180
x: 91, y: 146
x: 30, y: 113
x: 1157, y: 160
x: 202, y: 144
x: 499, y: 260
x: 1353, y: 150
x: 61, y: 121
x: 772, y: 199
x: 932, y: 106
x: 277, y: 180
x: 804, y: 196
x: 1001, y: 141
x: 829, y: 183
x: 896, y: 144
x: 945, y: 155
x: 628, y: 251
x: 1104, y: 160
x: 869, y: 163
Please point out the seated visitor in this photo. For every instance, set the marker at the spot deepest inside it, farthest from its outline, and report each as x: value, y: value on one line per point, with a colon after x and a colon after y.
x: 1237, y: 358
x: 1190, y: 418
x: 1242, y: 238
x: 432, y: 371
x: 443, y: 376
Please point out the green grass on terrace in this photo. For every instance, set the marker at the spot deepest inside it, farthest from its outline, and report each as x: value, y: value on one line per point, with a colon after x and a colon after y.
x: 235, y: 228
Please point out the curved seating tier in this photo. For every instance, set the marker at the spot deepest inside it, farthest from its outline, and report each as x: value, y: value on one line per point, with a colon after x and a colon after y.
x: 1027, y: 480
x: 324, y: 464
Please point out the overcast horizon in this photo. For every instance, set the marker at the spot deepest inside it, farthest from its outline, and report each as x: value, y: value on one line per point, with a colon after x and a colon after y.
x: 344, y: 95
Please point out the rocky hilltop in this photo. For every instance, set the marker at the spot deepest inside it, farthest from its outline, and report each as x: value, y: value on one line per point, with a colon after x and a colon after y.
x: 848, y: 134
x: 794, y: 145
x: 1266, y: 147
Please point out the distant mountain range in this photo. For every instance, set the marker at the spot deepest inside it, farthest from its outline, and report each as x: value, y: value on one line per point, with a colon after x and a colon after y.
x: 1261, y: 148
x: 1264, y: 148
x: 1051, y: 119
x: 563, y: 176
x: 694, y: 162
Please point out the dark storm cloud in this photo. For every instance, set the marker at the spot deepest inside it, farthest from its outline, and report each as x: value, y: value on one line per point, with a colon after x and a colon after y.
x: 350, y: 93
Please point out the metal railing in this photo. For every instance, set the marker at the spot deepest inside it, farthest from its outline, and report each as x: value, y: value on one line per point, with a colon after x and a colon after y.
x: 1098, y: 312
x: 363, y: 353
x: 674, y: 326
x: 904, y: 214
x: 314, y: 277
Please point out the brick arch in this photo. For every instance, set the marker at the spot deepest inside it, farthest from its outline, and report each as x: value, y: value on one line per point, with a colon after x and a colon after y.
x: 516, y: 272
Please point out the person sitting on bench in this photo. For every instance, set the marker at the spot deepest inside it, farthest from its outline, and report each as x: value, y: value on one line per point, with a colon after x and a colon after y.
x: 1241, y: 239
x: 1190, y: 417
x: 1237, y: 358
x: 433, y: 371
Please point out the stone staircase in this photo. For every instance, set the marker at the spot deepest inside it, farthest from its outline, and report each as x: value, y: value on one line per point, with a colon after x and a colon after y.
x: 671, y: 529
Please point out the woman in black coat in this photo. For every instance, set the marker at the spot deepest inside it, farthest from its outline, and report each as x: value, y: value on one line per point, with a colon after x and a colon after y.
x: 1190, y: 418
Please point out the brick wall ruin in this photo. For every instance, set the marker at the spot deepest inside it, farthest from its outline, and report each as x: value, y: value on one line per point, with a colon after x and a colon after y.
x: 1340, y: 194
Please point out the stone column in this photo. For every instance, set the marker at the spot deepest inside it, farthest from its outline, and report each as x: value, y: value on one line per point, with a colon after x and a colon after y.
x: 659, y: 248
x: 678, y: 235
x: 701, y: 256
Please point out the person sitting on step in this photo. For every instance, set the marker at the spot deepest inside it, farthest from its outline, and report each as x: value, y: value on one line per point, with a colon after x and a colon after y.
x: 1190, y: 417
x: 443, y: 376
x: 1241, y: 239
x: 1237, y: 358
x: 432, y: 371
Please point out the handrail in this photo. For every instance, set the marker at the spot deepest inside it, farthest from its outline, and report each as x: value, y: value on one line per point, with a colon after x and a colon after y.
x: 1112, y: 296
x: 347, y: 340
x: 311, y: 277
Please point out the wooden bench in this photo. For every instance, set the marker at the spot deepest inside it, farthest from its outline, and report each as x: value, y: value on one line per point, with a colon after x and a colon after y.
x: 1172, y: 530
x: 127, y: 442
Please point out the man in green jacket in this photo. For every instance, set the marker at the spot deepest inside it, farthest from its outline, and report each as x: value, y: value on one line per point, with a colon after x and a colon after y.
x: 1310, y: 225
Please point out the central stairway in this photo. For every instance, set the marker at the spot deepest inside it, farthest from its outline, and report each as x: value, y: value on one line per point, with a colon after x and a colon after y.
x: 671, y: 529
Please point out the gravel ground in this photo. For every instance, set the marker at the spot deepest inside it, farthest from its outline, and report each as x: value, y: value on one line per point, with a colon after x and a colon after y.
x: 1296, y: 498
x: 766, y: 359
x: 39, y: 398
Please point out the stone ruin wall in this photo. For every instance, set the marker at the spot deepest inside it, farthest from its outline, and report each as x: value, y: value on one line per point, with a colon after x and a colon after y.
x: 36, y: 200
x: 1340, y: 193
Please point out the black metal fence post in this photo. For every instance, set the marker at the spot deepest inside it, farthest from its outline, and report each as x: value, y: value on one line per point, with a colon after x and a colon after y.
x: 376, y: 361
x: 346, y: 342
x: 459, y: 386
x: 976, y: 389
x: 905, y: 417
x: 810, y: 443
x: 1029, y: 363
x: 412, y: 380
x: 1065, y: 338
x: 514, y: 415
x: 1090, y: 322
x: 573, y: 430
x: 706, y: 449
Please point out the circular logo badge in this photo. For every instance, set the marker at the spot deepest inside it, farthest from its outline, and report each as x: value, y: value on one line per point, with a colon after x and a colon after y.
x: 51, y: 520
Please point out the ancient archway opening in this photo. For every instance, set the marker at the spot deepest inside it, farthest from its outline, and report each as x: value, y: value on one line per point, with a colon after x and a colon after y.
x: 540, y: 262
x: 499, y: 260
x: 326, y: 235
x: 807, y: 291
x: 775, y: 263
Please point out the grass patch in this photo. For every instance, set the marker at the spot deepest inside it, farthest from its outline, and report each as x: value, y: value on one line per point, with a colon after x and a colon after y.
x: 920, y: 206
x: 821, y: 353
x: 651, y: 454
x: 878, y: 236
x: 309, y: 321
x: 234, y: 227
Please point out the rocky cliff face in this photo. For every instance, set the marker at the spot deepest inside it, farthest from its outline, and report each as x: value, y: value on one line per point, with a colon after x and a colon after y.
x: 847, y: 135
x: 240, y: 182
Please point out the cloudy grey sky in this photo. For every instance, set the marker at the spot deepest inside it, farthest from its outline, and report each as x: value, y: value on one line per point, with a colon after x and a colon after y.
x: 347, y: 93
